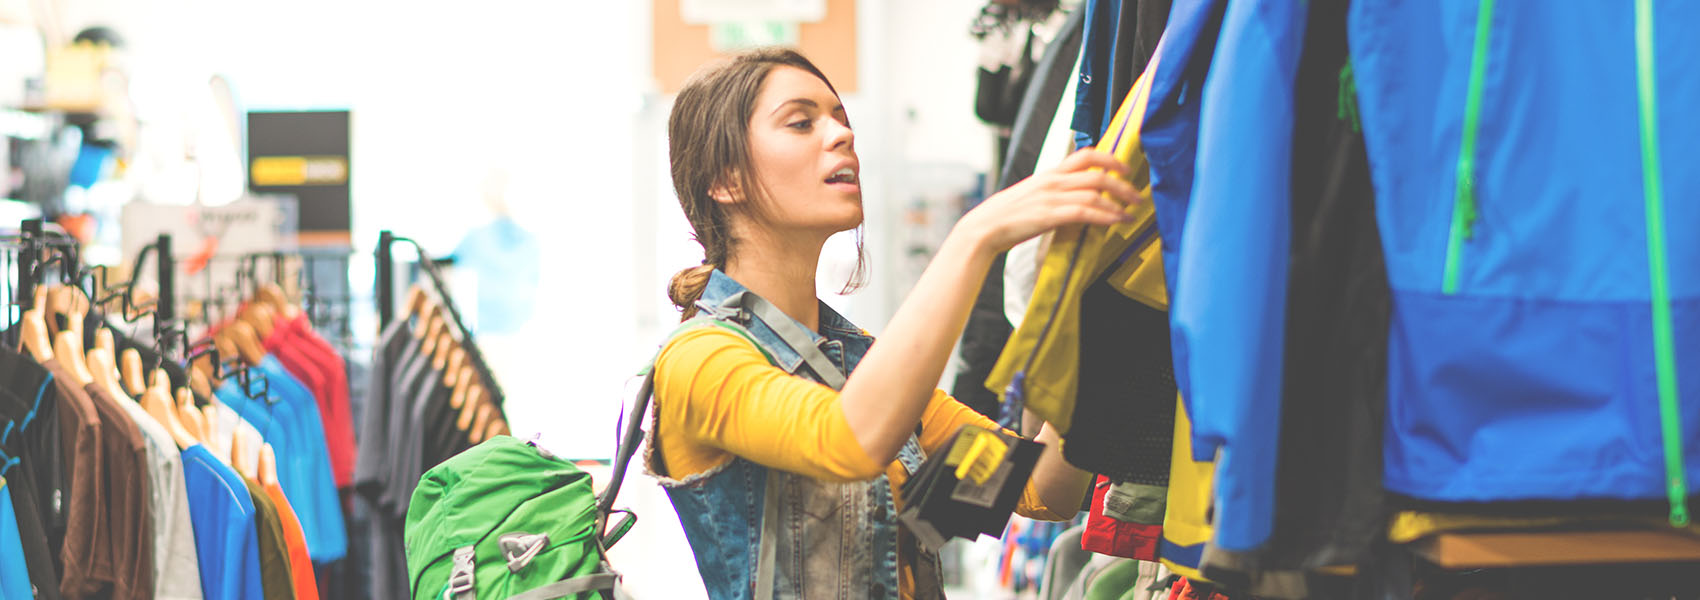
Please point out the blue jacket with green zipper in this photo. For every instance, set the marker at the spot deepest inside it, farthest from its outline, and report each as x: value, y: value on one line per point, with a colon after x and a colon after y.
x: 1536, y: 179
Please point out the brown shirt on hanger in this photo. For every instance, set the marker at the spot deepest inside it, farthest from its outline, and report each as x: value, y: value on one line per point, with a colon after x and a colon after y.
x: 128, y: 515
x: 276, y: 579
x: 84, y: 560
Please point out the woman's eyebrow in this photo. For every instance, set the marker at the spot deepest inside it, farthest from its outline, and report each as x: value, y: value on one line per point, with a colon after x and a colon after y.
x: 803, y: 101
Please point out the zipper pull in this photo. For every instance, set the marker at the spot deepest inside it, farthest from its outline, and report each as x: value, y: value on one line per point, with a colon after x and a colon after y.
x: 1347, y: 99
x: 1468, y: 208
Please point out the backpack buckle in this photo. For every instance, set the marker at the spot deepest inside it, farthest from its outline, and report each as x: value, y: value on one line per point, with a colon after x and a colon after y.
x: 520, y: 548
x: 460, y: 579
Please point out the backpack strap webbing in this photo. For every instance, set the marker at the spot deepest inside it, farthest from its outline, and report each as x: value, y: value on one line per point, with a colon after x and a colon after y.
x: 570, y: 588
x: 632, y: 434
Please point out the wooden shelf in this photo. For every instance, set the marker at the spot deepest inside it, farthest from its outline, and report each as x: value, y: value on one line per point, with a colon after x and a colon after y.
x: 1534, y: 549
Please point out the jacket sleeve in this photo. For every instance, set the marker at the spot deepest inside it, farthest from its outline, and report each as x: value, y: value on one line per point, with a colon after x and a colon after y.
x: 718, y: 397
x: 938, y: 427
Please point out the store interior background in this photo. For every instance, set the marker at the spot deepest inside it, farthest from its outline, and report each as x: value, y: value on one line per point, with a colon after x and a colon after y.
x: 547, y: 110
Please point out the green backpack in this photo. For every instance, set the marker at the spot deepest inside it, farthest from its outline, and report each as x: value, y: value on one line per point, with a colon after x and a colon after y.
x: 508, y: 520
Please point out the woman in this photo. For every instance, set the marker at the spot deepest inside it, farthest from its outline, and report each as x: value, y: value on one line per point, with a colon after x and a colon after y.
x: 785, y: 485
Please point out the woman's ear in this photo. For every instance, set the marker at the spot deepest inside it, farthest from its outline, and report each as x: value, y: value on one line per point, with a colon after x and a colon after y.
x: 724, y: 191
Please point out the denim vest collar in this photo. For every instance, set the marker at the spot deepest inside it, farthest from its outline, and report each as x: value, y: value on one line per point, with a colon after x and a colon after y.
x: 843, y: 342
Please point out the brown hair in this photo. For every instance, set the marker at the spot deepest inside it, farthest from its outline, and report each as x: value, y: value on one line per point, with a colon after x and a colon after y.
x: 708, y: 146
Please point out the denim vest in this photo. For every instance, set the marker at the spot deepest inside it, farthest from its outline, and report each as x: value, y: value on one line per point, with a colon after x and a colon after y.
x: 831, y: 540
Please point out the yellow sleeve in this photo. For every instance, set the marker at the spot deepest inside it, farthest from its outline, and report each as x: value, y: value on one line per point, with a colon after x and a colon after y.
x: 718, y: 397
x: 938, y: 426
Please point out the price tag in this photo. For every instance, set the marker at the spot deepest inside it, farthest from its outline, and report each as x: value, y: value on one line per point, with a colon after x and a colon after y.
x: 984, y: 454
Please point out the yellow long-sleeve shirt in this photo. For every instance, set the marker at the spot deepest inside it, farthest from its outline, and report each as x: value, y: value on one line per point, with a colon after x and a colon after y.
x: 717, y: 397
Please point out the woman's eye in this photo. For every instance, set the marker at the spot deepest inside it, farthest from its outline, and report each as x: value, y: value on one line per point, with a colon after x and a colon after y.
x: 802, y: 125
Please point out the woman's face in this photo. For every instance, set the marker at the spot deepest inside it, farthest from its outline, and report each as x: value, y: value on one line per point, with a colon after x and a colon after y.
x: 804, y: 154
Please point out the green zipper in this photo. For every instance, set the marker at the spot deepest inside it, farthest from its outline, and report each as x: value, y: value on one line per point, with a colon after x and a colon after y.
x: 1464, y: 199
x: 1664, y: 339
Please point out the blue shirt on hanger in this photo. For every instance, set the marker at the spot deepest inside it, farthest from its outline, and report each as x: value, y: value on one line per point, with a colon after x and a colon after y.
x: 222, y: 513
x: 289, y: 420
x: 14, y: 577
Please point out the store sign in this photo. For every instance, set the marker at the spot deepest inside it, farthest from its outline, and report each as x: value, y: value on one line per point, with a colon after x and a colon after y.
x: 299, y: 170
x: 708, y: 12
x: 732, y: 37
x: 247, y: 225
x: 305, y: 155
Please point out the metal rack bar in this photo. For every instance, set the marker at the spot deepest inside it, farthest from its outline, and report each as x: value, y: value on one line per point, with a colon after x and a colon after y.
x: 386, y: 241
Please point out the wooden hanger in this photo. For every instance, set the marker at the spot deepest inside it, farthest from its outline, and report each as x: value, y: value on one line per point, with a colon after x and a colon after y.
x: 498, y: 426
x: 481, y: 423
x: 432, y: 336
x: 103, y: 341
x: 415, y: 300
x: 247, y: 343
x: 66, y: 350
x: 192, y: 419
x: 105, y: 373
x: 70, y: 303
x: 156, y: 400
x: 268, y: 466
x: 272, y: 294
x: 32, y: 329
x: 429, y: 312
x: 440, y: 355
x: 238, y: 449
x: 464, y: 380
x: 452, y: 375
x: 200, y: 377
x: 207, y: 418
x: 130, y: 371
x: 56, y: 306
x: 258, y: 316
x: 469, y: 406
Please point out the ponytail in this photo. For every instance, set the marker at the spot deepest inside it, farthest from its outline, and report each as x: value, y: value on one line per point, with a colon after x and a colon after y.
x: 687, y: 287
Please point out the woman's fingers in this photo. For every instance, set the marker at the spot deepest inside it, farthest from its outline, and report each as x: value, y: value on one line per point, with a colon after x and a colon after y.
x: 1118, y: 188
x: 1088, y: 158
x: 1087, y: 214
x: 1085, y: 206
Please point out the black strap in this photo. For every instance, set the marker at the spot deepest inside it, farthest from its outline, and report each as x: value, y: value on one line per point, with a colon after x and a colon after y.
x: 1039, y: 104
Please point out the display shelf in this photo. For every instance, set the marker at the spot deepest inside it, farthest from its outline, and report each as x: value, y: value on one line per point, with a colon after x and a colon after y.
x: 1479, y: 550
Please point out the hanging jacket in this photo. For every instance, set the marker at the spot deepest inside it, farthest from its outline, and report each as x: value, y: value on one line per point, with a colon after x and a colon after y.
x: 1041, y: 362
x: 1232, y: 267
x: 1535, y: 189
x: 1169, y: 138
x: 1331, y: 383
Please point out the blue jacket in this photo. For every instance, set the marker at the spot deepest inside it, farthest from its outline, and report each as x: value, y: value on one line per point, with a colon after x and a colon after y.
x: 1233, y: 260
x: 1524, y: 352
x: 1546, y: 294
x: 1169, y: 137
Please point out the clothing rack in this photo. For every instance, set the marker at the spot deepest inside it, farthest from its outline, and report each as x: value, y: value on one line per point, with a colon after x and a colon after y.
x: 385, y: 281
x: 328, y: 308
x: 170, y: 337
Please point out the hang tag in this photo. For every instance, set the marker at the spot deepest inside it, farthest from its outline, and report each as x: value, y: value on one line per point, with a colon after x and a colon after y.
x: 983, y: 494
x: 983, y: 457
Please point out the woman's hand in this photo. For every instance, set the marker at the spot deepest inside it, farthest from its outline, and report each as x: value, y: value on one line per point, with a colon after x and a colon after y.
x: 886, y: 395
x: 1089, y: 187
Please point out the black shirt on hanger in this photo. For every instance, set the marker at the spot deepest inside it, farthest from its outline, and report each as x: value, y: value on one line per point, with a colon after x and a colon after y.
x: 39, y: 482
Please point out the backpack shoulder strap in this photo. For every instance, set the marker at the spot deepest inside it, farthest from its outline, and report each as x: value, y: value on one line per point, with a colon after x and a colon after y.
x: 571, y: 588
x: 632, y: 433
